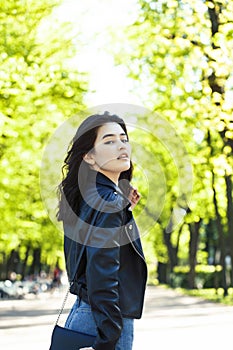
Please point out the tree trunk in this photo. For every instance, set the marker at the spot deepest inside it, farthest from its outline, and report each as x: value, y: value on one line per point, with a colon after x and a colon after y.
x: 36, y: 263
x: 221, y: 238
x: 164, y: 270
x: 162, y: 273
x: 193, y: 244
x: 3, y: 267
x: 24, y: 263
x: 172, y: 252
x: 228, y: 182
x: 172, y: 249
x: 12, y: 263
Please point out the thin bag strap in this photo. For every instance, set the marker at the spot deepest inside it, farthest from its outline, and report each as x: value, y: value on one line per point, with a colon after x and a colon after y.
x: 63, y: 305
x: 71, y: 282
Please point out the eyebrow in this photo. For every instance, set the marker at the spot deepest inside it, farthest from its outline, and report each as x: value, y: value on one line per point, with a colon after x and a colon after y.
x: 111, y: 135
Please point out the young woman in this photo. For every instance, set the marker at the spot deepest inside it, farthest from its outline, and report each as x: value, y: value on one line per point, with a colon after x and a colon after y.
x: 96, y: 202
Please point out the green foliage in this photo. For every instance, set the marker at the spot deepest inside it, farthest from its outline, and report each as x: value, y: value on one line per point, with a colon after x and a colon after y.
x: 180, y: 55
x: 211, y: 294
x: 39, y: 89
x: 207, y: 276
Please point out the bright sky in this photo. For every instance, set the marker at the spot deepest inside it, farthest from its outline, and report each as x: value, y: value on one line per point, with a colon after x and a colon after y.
x: 92, y: 18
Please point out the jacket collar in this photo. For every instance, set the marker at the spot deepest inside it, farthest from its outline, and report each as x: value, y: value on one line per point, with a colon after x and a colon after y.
x: 101, y: 179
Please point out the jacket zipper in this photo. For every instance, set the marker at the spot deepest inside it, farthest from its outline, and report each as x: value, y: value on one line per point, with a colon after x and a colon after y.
x: 134, y: 246
x: 141, y: 256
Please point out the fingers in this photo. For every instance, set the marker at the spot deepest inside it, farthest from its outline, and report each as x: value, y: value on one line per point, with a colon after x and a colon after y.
x: 134, y: 196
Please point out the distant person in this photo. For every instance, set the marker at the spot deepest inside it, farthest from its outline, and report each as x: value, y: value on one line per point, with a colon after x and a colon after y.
x: 57, y: 276
x: 96, y: 202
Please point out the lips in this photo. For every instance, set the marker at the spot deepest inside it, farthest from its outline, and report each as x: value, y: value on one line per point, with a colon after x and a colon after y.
x: 123, y: 156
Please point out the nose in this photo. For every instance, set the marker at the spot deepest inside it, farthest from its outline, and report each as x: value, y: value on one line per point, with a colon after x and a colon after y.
x: 121, y: 145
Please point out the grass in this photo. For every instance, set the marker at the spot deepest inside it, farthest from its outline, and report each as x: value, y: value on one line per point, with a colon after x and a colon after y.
x: 211, y: 294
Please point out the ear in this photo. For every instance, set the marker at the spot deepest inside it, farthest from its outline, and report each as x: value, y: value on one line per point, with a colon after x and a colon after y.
x: 88, y: 158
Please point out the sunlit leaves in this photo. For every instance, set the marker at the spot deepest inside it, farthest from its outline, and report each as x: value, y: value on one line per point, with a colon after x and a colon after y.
x: 39, y: 89
x: 182, y: 61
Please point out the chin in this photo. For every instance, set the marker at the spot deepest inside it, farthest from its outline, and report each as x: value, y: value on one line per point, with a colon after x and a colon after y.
x: 127, y: 167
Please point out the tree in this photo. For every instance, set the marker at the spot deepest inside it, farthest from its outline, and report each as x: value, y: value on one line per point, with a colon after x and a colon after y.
x: 39, y: 89
x: 180, y: 54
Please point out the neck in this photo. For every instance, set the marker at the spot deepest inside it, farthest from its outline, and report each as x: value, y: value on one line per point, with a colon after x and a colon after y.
x: 114, y: 177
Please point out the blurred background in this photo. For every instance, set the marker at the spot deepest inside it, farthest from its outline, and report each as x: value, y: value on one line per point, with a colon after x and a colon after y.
x: 174, y: 58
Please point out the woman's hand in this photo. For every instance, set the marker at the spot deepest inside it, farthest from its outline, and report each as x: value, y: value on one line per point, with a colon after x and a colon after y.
x: 134, y: 197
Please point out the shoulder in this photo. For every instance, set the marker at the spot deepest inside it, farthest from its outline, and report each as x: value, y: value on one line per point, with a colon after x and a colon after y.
x: 111, y: 197
x: 101, y: 197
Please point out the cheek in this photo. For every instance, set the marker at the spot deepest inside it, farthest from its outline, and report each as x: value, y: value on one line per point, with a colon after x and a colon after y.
x: 129, y: 148
x: 103, y: 154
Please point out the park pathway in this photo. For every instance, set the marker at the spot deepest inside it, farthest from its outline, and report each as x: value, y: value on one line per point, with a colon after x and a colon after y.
x: 170, y: 321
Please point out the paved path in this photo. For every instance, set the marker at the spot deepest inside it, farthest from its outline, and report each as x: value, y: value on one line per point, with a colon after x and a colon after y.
x: 170, y: 321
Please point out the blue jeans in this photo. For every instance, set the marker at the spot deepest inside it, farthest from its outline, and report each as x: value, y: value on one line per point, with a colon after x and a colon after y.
x: 80, y: 319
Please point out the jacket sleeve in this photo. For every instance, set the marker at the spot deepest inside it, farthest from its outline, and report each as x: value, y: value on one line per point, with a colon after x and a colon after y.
x: 103, y: 263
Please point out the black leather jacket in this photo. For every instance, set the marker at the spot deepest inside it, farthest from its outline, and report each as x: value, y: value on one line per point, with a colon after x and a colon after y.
x: 112, y: 274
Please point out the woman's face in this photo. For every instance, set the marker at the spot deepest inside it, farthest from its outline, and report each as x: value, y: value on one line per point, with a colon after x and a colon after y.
x: 112, y: 151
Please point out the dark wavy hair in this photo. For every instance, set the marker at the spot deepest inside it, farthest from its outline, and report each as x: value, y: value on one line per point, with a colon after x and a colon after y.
x: 74, y: 176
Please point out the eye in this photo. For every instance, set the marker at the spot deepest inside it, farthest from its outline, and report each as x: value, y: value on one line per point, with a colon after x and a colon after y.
x: 124, y: 140
x: 109, y: 142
